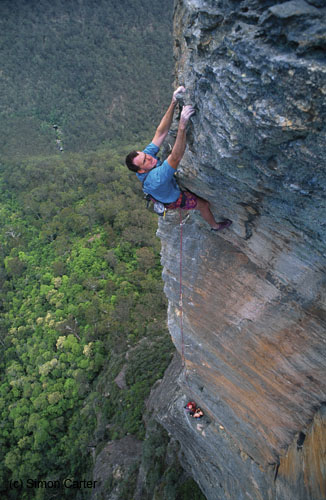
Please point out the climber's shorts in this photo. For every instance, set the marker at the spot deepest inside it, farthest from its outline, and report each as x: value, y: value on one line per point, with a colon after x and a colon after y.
x: 186, y: 201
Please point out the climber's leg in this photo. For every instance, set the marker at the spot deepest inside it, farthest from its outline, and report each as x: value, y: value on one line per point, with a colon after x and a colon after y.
x: 205, y: 211
x: 191, y: 201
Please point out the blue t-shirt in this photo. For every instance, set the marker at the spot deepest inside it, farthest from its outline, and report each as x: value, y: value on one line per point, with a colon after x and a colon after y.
x: 160, y: 181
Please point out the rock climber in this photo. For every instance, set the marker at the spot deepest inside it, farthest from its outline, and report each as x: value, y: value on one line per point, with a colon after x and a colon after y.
x: 194, y: 410
x: 158, y: 178
x: 191, y: 407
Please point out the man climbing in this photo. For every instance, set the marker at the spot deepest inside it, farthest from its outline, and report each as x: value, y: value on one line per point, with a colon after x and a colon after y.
x: 158, y: 178
x: 194, y: 410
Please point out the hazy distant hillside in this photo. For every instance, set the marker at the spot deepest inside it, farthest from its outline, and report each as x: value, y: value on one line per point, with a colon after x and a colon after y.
x: 82, y: 65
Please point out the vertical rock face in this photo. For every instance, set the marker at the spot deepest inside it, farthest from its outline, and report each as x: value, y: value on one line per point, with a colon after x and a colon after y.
x: 254, y: 310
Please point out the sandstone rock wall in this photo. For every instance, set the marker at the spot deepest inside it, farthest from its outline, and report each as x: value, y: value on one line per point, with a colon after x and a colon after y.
x: 253, y: 297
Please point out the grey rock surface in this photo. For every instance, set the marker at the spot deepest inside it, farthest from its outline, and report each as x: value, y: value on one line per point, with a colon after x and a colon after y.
x: 113, y: 465
x: 254, y: 311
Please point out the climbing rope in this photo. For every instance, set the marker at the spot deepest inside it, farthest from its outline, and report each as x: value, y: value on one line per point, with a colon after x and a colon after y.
x: 181, y: 311
x: 181, y: 298
x: 181, y: 315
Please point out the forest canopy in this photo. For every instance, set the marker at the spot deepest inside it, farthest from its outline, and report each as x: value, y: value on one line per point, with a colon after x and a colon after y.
x: 101, y: 71
x: 80, y: 287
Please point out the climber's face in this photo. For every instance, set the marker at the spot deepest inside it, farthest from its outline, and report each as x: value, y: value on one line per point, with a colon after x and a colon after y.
x: 144, y: 161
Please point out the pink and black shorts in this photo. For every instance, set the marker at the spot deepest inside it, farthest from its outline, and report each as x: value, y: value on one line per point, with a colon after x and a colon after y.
x: 186, y: 201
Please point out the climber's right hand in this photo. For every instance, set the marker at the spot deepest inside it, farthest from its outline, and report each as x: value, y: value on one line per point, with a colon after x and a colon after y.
x: 187, y: 112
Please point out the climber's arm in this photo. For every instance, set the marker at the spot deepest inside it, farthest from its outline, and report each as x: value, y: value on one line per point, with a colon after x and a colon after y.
x: 180, y: 142
x: 165, y: 124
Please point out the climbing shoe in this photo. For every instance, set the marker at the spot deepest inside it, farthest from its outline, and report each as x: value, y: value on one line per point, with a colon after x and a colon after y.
x: 223, y: 225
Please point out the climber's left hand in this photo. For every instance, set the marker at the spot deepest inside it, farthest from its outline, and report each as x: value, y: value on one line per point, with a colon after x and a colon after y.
x: 178, y: 91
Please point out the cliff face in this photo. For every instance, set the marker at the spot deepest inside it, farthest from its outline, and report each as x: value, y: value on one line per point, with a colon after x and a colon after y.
x: 254, y: 310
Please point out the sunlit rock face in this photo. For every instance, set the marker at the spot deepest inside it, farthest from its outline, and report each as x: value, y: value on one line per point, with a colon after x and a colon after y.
x: 254, y: 310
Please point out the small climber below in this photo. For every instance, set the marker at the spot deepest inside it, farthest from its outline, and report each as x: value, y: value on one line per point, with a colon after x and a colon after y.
x: 194, y: 410
x: 158, y: 178
x: 191, y: 407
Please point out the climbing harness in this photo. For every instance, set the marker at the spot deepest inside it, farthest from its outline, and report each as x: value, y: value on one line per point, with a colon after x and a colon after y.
x: 158, y: 207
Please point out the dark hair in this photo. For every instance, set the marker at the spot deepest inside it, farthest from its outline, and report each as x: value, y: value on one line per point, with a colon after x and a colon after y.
x: 129, y: 161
